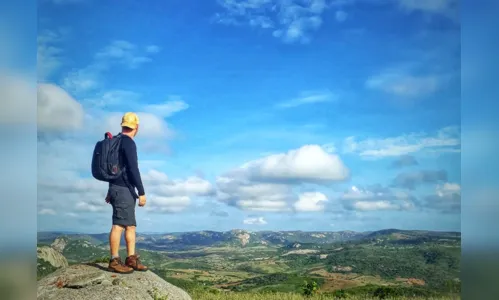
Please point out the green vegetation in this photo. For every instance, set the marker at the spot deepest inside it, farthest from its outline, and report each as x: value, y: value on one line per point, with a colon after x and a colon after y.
x: 296, y: 265
x: 43, y: 268
x: 200, y: 295
x: 310, y: 288
x: 156, y: 295
x: 435, y: 265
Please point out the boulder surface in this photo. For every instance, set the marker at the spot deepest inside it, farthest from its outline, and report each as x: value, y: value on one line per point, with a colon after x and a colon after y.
x: 93, y: 281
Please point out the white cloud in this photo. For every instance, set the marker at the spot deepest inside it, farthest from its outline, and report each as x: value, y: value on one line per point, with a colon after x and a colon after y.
x: 376, y: 198
x: 311, y: 202
x: 192, y: 185
x: 49, y: 53
x: 329, y: 147
x: 64, y: 188
x: 295, y: 20
x: 448, y: 188
x: 446, y: 139
x: 57, y: 110
x: 83, y: 80
x: 272, y: 204
x: 117, y: 53
x: 123, y: 52
x: 255, y: 221
x: 93, y: 206
x: 112, y: 98
x: 167, y: 108
x: 292, y: 20
x: 308, y: 97
x: 46, y: 211
x: 411, y: 180
x: 376, y: 205
x: 173, y: 195
x: 266, y: 184
x: 310, y: 163
x: 447, y: 198
x: 161, y: 185
x: 173, y: 204
x: 18, y: 94
x: 252, y: 196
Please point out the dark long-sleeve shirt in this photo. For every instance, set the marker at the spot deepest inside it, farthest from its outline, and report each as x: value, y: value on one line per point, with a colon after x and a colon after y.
x: 130, y: 161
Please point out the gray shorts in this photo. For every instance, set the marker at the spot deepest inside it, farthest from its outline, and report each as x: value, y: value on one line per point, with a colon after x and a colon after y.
x: 123, y: 203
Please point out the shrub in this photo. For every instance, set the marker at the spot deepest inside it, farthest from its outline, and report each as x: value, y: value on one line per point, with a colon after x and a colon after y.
x: 309, y: 288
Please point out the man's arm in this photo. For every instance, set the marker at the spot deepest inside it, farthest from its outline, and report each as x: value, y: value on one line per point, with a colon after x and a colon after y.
x: 131, y: 160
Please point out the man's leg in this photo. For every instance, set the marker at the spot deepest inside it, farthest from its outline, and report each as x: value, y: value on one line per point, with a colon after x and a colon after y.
x: 118, y: 201
x: 130, y: 240
x: 114, y: 240
x: 132, y: 260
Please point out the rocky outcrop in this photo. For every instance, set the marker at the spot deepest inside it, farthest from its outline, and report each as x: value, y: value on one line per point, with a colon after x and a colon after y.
x: 59, y: 244
x: 51, y: 256
x: 244, y: 238
x: 93, y: 281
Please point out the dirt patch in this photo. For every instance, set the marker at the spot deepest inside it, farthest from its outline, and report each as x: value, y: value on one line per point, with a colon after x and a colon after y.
x: 342, y: 268
x: 337, y: 281
x: 412, y: 281
x: 400, y: 236
x: 303, y: 251
x: 331, y: 285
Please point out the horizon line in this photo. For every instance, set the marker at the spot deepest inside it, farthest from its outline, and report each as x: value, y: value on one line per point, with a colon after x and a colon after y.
x: 236, y: 229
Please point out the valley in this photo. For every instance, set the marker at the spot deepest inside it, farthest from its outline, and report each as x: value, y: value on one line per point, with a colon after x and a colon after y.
x: 407, y: 263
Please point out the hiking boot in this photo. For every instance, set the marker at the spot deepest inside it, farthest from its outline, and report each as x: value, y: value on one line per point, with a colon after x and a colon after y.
x: 117, y: 266
x: 133, y: 261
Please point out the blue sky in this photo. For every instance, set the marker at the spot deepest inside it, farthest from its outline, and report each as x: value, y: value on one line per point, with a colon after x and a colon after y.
x: 262, y: 114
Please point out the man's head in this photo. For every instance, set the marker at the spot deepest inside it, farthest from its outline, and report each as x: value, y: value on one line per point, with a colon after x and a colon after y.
x: 130, y: 124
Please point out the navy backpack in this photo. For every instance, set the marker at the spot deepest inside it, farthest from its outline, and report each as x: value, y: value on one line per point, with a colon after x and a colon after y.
x: 106, y: 163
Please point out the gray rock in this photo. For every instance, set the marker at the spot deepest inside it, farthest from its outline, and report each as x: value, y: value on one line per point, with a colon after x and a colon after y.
x: 85, y: 280
x: 106, y: 282
x: 95, y: 282
x: 52, y: 256
x: 59, y: 244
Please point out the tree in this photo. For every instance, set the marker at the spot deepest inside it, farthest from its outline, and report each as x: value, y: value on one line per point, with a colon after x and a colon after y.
x: 309, y: 288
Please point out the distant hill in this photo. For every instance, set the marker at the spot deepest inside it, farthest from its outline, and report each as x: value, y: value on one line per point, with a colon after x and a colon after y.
x: 236, y: 237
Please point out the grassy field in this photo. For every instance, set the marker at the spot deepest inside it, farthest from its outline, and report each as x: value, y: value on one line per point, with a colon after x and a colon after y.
x: 288, y: 296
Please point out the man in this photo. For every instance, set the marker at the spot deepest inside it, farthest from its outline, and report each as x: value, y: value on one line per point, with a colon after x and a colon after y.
x: 122, y: 196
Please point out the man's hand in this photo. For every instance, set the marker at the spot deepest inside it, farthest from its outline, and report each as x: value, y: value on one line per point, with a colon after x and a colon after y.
x: 108, y: 198
x: 142, y: 200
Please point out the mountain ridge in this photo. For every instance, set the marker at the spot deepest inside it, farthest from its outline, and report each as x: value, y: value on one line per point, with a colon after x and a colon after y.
x: 245, y: 238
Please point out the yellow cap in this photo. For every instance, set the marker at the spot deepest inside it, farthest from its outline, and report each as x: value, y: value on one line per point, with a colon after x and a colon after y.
x: 130, y: 120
